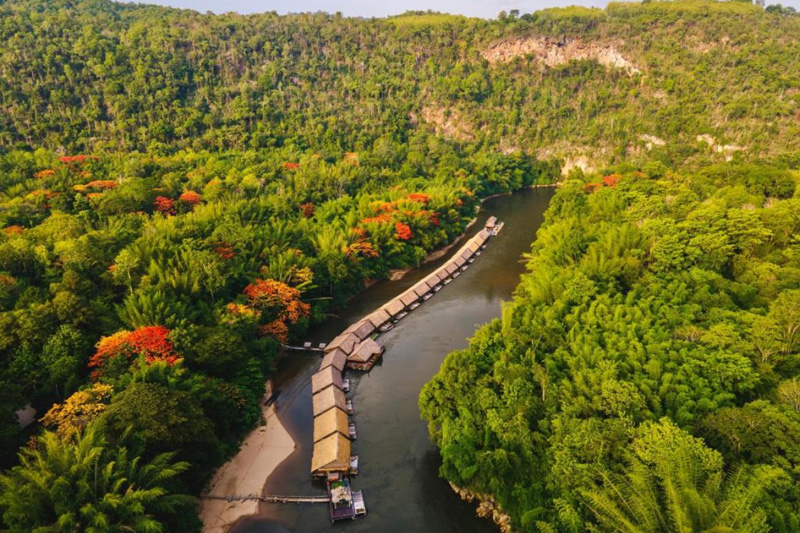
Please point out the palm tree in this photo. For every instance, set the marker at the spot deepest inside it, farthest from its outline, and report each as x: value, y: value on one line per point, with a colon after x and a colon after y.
x: 676, y: 493
x: 83, y: 484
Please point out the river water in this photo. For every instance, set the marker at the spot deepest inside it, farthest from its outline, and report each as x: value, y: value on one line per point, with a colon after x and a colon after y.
x: 398, y: 467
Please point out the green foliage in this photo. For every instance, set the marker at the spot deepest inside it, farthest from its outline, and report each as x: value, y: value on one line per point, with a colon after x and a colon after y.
x: 83, y: 484
x: 645, y: 299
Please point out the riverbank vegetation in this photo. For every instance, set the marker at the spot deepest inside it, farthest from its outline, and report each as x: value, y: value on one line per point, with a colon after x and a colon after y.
x: 644, y: 377
x: 182, y: 193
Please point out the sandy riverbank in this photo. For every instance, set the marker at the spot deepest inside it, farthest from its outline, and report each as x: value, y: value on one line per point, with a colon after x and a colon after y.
x: 261, y: 452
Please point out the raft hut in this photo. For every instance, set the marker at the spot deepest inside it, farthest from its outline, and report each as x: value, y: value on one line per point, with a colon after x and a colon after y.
x: 362, y: 329
x: 491, y: 222
x: 409, y: 299
x: 331, y: 456
x: 345, y: 342
x: 328, y: 398
x: 336, y: 359
x: 395, y: 308
x: 329, y: 423
x: 365, y: 355
x: 327, y: 377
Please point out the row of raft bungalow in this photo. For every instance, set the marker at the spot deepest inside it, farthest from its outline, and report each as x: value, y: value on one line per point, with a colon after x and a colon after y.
x: 356, y: 348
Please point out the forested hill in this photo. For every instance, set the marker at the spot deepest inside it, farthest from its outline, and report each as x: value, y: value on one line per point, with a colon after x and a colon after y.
x: 181, y: 193
x: 672, y: 80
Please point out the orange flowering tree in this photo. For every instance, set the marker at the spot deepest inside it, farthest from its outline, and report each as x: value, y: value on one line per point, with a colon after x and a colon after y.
x: 307, y: 209
x: 120, y: 350
x: 279, y: 304
x: 191, y: 199
x: 402, y: 231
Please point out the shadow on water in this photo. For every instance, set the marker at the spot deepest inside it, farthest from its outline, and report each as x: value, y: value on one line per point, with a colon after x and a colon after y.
x: 399, y: 465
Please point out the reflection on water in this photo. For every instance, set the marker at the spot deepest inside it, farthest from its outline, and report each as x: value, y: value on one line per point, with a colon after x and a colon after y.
x: 398, y: 463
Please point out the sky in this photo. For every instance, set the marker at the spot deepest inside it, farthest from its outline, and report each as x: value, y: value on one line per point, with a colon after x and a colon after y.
x: 382, y: 8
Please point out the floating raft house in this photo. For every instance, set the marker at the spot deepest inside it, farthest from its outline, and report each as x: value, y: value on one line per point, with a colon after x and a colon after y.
x: 329, y: 423
x: 327, y: 377
x: 331, y: 455
x: 328, y: 399
x: 335, y: 358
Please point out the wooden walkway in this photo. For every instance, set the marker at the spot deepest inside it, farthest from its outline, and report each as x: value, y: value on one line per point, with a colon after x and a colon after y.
x: 270, y: 498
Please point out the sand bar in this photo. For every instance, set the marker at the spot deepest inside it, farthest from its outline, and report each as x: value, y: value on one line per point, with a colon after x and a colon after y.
x: 246, y: 473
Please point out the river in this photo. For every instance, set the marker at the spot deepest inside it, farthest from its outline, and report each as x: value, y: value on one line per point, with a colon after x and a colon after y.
x: 398, y: 462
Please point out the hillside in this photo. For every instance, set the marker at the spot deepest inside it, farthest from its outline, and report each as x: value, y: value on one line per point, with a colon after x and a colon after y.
x: 182, y: 193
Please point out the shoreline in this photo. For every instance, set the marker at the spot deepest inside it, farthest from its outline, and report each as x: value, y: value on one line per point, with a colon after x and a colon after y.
x: 247, y: 472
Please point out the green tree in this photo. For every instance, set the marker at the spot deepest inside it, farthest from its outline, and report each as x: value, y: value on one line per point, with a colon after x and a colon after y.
x: 83, y: 484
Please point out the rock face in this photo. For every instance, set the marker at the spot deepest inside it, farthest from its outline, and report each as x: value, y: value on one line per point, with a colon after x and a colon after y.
x: 553, y: 52
x: 487, y: 508
x: 449, y: 123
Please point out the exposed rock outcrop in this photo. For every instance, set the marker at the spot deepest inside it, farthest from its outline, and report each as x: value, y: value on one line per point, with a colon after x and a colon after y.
x: 487, y: 508
x: 553, y: 52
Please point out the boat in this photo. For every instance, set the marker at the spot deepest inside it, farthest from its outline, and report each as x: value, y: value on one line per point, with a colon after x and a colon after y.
x: 386, y: 327
x: 427, y: 296
x: 401, y: 315
x: 272, y: 398
x: 346, y: 384
x: 478, y: 253
x: 470, y: 260
x: 353, y: 465
x: 352, y: 431
x: 341, y: 502
x: 437, y: 288
x: 447, y: 281
x: 456, y: 274
x: 348, y: 406
x: 359, y: 506
x: 414, y: 306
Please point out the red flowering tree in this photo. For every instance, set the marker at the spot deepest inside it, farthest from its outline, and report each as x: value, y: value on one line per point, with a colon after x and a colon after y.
x: 307, y: 209
x: 13, y: 230
x: 612, y: 180
x: 291, y: 166
x: 121, y: 349
x: 164, y: 205
x: 419, y: 197
x: 101, y: 184
x: 402, y: 231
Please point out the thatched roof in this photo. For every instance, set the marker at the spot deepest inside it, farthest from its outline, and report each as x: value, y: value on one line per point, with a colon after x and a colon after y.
x: 395, y: 307
x: 408, y: 297
x: 379, y: 317
x: 345, y: 342
x: 331, y: 454
x: 362, y: 329
x: 450, y: 268
x: 467, y: 254
x: 366, y: 351
x: 421, y: 289
x: 491, y: 222
x: 327, y: 377
x: 442, y: 274
x: 459, y: 261
x: 330, y: 422
x: 337, y: 359
x: 328, y: 399
x: 483, y: 236
x: 432, y: 281
x: 474, y: 246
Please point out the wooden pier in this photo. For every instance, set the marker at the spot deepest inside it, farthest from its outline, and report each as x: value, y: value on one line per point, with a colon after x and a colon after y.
x: 270, y: 498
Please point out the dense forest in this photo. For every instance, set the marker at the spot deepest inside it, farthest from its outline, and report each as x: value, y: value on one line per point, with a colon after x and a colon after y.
x: 181, y: 193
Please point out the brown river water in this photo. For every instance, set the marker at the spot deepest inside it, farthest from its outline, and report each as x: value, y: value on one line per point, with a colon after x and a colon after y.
x: 398, y: 464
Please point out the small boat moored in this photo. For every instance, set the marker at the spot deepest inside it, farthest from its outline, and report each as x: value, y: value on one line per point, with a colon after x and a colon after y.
x: 352, y: 431
x: 359, y: 506
x: 348, y: 406
x: 346, y: 384
x: 353, y: 465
